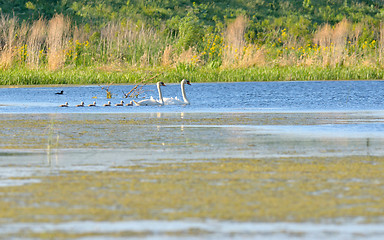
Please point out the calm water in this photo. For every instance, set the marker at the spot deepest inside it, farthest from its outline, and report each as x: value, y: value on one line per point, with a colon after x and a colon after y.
x: 265, y: 120
x: 208, y: 97
x: 324, y: 117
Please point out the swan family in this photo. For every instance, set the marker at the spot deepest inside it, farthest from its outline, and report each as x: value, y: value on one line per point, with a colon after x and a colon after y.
x: 150, y: 102
x: 166, y: 101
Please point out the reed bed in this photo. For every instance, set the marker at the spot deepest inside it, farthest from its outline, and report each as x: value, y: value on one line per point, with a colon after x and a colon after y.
x: 57, y: 51
x: 83, y: 76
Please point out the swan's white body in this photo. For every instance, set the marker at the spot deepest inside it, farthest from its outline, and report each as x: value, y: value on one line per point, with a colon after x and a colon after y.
x: 152, y: 101
x: 176, y: 101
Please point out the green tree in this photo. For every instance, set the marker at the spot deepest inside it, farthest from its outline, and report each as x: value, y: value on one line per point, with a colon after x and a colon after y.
x: 189, y: 31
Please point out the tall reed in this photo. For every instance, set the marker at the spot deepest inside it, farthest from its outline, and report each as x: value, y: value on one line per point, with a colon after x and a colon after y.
x: 234, y: 41
x: 58, y: 36
x: 35, y: 43
x: 340, y: 36
x: 8, y: 37
x: 253, y: 55
x: 166, y: 58
x: 129, y: 43
x: 333, y: 43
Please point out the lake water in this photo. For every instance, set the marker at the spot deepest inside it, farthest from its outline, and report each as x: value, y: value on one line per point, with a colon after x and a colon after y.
x: 263, y: 125
x: 208, y: 97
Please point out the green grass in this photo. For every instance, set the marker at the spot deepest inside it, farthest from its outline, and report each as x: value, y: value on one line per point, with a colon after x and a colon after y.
x: 82, y: 76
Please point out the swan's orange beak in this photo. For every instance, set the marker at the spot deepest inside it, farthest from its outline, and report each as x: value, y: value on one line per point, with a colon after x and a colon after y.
x: 188, y: 83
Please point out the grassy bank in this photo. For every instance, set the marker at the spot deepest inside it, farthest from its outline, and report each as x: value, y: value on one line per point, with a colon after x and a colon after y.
x: 83, y: 76
x: 60, y: 51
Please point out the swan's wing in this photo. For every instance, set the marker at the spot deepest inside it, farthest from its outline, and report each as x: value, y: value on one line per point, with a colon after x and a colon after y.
x: 172, y: 101
x: 147, y: 102
x: 168, y: 99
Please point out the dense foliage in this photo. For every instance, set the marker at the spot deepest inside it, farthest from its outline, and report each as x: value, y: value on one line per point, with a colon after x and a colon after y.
x: 156, y: 11
x: 301, y: 16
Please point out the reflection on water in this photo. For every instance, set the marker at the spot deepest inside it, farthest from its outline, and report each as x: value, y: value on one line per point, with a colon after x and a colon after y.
x: 212, y: 229
x: 154, y: 136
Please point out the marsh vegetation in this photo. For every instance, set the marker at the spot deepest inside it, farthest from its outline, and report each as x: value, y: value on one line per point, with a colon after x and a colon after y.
x: 120, y: 42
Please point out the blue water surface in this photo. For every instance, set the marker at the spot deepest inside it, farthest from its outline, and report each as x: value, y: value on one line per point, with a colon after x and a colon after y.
x: 205, y: 97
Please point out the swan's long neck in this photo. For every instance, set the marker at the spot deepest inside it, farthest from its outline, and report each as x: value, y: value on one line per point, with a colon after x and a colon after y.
x: 183, y: 92
x: 160, y: 94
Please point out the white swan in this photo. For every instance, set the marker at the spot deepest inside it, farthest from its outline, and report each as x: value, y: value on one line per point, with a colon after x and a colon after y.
x: 152, y: 101
x: 176, y: 101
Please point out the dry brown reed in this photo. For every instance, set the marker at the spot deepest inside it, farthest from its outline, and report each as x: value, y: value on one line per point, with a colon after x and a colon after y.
x: 189, y: 56
x: 234, y: 41
x: 79, y: 36
x: 35, y: 42
x: 333, y: 42
x: 144, y: 60
x: 341, y: 32
x: 323, y: 38
x: 119, y: 38
x: 339, y: 38
x: 166, y: 58
x: 288, y: 59
x: 357, y: 31
x: 110, y: 39
x: 381, y: 45
x: 253, y: 56
x: 307, y: 61
x: 58, y: 36
x: 8, y: 41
